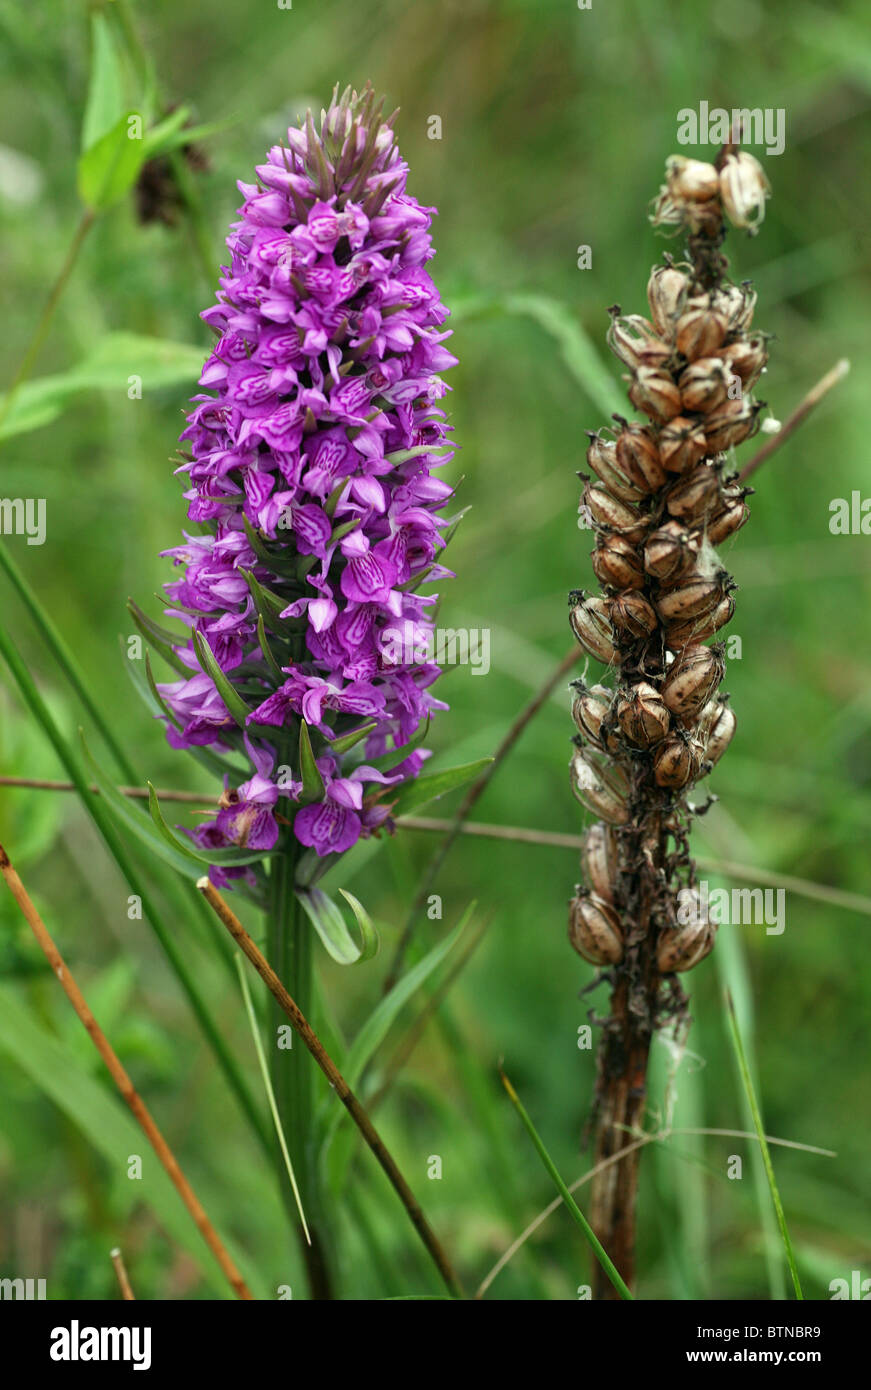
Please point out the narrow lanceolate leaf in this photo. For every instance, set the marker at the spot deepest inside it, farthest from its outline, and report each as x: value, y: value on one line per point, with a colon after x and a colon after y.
x: 108, y: 170
x: 268, y: 657
x: 368, y: 930
x: 312, y: 781
x: 753, y: 1103
x: 160, y: 638
x: 236, y: 706
x: 346, y: 741
x: 225, y: 858
x: 330, y: 926
x: 436, y: 784
x: 105, y: 100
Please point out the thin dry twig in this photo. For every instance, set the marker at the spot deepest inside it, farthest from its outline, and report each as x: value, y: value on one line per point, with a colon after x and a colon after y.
x: 121, y: 1271
x: 358, y: 1114
x: 798, y: 416
x: 121, y: 1079
x: 43, y: 784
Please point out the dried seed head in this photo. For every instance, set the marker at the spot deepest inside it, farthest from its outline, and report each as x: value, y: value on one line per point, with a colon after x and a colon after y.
x: 654, y: 392
x: 602, y: 458
x: 617, y: 564
x: 720, y: 731
x: 736, y: 303
x: 632, y: 615
x: 692, y: 679
x: 679, y: 634
x: 699, y: 332
x: 732, y: 423
x: 693, y: 597
x: 588, y: 616
x: 667, y: 290
x: 642, y: 715
x: 638, y: 457
x: 599, y: 859
x: 671, y: 552
x: 609, y: 512
x: 677, y: 761
x: 634, y: 340
x: 725, y: 522
x: 680, y: 948
x: 743, y: 189
x: 590, y: 787
x: 691, y: 180
x: 703, y: 386
x: 696, y: 495
x: 747, y: 358
x: 595, y: 930
x: 682, y: 443
x: 589, y: 707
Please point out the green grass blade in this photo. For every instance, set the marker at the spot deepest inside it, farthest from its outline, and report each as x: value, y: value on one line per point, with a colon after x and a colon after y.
x: 763, y: 1143
x: 577, y: 1215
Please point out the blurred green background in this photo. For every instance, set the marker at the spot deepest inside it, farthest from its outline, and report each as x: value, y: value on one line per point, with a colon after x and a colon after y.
x: 555, y: 126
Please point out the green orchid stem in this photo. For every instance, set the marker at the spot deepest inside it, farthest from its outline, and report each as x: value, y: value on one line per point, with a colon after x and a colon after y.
x: 41, y: 331
x: 289, y: 950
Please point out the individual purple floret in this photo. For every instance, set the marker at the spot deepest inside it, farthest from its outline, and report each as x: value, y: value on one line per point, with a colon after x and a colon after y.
x: 313, y: 451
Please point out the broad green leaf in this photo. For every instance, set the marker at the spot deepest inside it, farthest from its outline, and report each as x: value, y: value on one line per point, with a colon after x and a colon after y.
x: 330, y: 926
x: 108, y: 170
x: 435, y: 784
x: 105, y: 100
x: 312, y: 782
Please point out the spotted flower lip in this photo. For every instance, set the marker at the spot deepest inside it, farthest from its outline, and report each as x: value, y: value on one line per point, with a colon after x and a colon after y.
x: 313, y: 497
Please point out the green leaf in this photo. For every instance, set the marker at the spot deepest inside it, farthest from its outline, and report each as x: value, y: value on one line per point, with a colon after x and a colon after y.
x: 368, y: 931
x: 219, y: 857
x: 312, y: 782
x: 347, y: 741
x: 427, y: 788
x: 269, y: 605
x: 159, y: 139
x: 160, y: 638
x: 330, y: 926
x: 108, y: 170
x: 236, y: 706
x: 105, y: 100
x: 268, y: 657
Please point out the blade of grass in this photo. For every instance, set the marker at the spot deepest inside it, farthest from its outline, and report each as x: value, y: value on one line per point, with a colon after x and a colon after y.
x: 578, y: 1216
x: 763, y: 1144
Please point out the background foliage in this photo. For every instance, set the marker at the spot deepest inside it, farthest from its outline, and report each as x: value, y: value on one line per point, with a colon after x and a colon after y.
x: 556, y: 123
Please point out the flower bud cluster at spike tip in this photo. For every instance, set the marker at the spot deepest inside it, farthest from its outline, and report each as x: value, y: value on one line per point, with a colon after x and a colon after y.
x: 664, y: 497
x: 312, y: 472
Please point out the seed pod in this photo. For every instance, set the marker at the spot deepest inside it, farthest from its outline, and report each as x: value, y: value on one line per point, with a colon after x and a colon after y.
x: 736, y: 303
x: 654, y: 392
x: 731, y: 423
x: 599, y: 860
x: 642, y: 715
x: 743, y: 189
x: 617, y: 516
x: 746, y: 358
x: 703, y: 385
x: 720, y: 732
x: 680, y: 948
x: 595, y: 930
x: 699, y: 332
x: 695, y: 495
x: 681, y: 443
x: 691, y: 180
x: 677, y: 762
x: 602, y: 458
x: 634, y: 340
x: 678, y: 635
x: 671, y: 552
x: 617, y: 564
x: 725, y: 522
x: 692, y: 597
x: 593, y: 792
x: 588, y: 616
x: 638, y: 457
x: 631, y: 614
x: 692, y: 679
x: 589, y: 707
x: 667, y: 290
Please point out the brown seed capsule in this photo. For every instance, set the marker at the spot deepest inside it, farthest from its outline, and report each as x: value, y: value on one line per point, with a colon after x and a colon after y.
x: 634, y: 340
x: 590, y: 787
x: 678, y: 635
x: 642, y: 715
x: 608, y: 511
x: 703, y: 385
x: 588, y: 616
x: 720, y: 732
x: 681, y: 443
x: 638, y: 457
x: 631, y: 615
x: 692, y: 597
x: 680, y: 948
x: 599, y: 859
x: 695, y: 495
x: 602, y: 458
x: 671, y: 552
x: 731, y: 423
x: 691, y: 180
x: 677, y: 762
x: 725, y: 522
x: 743, y: 189
x: 736, y: 303
x: 617, y: 564
x: 654, y: 392
x: 595, y: 930
x: 746, y: 358
x: 667, y: 290
x: 589, y: 707
x: 699, y: 332
x: 691, y: 680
